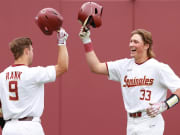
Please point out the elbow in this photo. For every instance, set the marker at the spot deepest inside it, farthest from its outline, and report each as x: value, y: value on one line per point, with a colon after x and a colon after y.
x: 94, y: 70
x: 64, y: 69
x: 61, y: 70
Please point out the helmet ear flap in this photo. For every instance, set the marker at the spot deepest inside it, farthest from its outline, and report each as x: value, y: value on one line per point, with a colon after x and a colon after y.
x: 96, y: 21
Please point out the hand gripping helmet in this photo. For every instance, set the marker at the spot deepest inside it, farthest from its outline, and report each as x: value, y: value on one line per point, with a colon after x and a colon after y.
x: 92, y: 10
x: 49, y: 20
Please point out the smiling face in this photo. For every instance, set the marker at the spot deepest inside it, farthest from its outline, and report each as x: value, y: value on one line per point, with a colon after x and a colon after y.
x: 138, y: 49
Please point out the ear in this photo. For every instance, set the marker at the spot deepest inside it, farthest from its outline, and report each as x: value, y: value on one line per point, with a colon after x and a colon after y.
x: 26, y: 51
x: 146, y: 46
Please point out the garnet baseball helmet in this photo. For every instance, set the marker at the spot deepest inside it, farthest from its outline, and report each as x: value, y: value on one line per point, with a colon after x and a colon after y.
x: 49, y: 20
x: 93, y: 11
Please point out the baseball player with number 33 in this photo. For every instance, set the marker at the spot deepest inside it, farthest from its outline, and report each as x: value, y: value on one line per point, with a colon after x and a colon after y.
x: 144, y: 82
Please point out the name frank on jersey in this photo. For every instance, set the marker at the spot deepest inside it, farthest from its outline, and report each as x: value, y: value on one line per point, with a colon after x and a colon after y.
x: 132, y: 82
x: 15, y: 75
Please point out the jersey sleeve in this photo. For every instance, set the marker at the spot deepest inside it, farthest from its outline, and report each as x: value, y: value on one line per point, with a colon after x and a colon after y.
x: 168, y: 78
x: 115, y: 68
x: 44, y: 74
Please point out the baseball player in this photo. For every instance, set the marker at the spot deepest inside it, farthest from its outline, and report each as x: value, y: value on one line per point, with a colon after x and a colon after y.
x: 22, y: 87
x: 144, y: 82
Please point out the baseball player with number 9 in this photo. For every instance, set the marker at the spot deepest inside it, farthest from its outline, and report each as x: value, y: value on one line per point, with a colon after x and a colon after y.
x: 22, y: 87
x: 144, y: 81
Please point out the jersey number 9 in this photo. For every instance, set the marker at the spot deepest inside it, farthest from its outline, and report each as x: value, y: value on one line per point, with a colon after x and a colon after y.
x: 13, y: 89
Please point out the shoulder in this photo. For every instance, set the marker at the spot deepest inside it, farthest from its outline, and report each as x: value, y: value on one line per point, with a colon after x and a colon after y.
x: 5, y: 70
x: 42, y: 70
x: 160, y: 67
x: 158, y: 63
x: 123, y: 61
x: 120, y: 64
x: 42, y: 67
x: 154, y: 62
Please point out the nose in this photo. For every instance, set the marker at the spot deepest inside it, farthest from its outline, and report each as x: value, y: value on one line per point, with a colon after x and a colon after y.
x: 131, y: 44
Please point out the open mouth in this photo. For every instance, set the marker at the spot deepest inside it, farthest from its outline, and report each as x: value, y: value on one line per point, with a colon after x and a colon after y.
x: 133, y: 50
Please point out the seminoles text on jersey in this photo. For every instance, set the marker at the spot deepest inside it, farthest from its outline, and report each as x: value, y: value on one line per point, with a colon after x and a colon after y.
x: 132, y: 82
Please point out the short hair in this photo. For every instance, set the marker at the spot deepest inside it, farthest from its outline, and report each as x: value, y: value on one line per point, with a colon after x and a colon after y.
x: 18, y: 45
x: 147, y: 39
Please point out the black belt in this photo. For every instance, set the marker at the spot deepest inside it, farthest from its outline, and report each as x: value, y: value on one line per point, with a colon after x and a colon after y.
x: 135, y: 115
x: 23, y: 119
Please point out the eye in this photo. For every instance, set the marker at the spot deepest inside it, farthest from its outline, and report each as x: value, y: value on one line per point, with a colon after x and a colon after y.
x: 136, y: 41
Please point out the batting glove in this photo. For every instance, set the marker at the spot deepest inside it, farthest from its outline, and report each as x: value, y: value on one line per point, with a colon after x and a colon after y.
x: 62, y: 36
x: 156, y: 108
x: 85, y: 36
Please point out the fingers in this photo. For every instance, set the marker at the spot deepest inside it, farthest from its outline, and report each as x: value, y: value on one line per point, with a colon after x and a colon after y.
x: 62, y: 36
x: 84, y: 36
x: 62, y: 33
x: 84, y: 33
x: 153, y: 110
x: 58, y: 31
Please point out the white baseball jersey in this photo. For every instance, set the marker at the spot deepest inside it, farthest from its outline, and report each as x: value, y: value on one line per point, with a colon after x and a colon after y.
x: 143, y: 84
x: 22, y: 90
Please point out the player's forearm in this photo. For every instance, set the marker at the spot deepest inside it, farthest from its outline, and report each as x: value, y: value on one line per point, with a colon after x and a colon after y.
x: 63, y: 61
x: 92, y: 61
x: 95, y: 65
x: 156, y: 108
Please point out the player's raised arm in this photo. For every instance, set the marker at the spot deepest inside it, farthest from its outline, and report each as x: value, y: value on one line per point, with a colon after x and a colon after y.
x: 63, y: 59
x: 89, y: 15
x: 50, y: 20
x: 95, y: 65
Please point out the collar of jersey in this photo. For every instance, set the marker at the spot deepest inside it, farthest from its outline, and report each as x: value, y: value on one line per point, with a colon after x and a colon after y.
x: 143, y: 62
x: 15, y: 65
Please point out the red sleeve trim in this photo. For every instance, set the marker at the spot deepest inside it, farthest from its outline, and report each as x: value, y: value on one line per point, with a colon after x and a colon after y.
x: 88, y: 47
x: 107, y: 66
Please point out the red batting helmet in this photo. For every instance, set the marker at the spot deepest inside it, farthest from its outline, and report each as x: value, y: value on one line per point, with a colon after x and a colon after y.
x: 49, y: 20
x: 91, y: 9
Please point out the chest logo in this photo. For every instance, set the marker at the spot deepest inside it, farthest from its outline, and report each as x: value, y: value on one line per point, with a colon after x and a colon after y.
x: 133, y: 82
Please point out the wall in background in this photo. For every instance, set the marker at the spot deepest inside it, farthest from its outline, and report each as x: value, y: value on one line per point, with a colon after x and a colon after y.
x: 79, y: 102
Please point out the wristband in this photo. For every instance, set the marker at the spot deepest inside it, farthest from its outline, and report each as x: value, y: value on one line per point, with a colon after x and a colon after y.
x: 61, y: 42
x: 172, y: 100
x: 88, y: 47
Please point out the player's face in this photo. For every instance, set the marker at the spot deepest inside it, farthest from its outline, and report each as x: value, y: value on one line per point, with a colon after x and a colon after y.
x: 138, y: 49
x: 30, y: 55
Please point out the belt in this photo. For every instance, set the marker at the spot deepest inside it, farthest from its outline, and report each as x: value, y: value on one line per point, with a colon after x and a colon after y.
x: 135, y: 115
x: 23, y: 119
